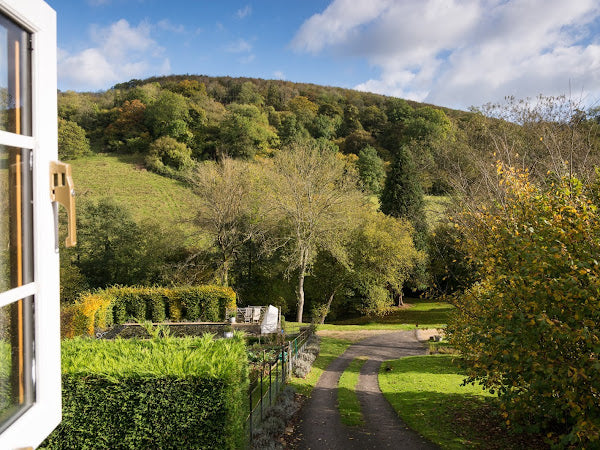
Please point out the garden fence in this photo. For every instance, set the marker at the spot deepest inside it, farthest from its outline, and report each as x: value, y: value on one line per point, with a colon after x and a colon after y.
x: 271, y: 378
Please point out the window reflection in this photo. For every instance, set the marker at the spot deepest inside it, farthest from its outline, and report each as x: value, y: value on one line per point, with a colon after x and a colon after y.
x: 15, y: 83
x: 16, y: 351
x: 15, y: 218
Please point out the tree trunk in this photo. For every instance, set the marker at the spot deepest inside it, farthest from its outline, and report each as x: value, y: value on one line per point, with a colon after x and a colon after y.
x: 225, y: 271
x: 328, y: 305
x: 400, y: 300
x: 300, y: 292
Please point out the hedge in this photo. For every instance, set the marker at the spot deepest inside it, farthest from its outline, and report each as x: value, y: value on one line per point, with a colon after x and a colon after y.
x: 103, y: 308
x: 162, y: 393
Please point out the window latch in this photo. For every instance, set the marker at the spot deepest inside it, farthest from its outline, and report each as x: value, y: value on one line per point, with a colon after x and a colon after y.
x: 63, y: 192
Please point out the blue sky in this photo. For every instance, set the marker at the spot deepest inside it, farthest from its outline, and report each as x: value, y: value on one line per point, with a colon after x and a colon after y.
x: 454, y: 53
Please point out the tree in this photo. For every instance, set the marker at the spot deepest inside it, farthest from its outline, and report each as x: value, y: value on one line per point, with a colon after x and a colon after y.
x: 246, y: 132
x: 168, y: 115
x: 324, y: 126
x: 303, y: 108
x: 72, y: 141
x: 312, y: 195
x: 402, y: 194
x: 397, y: 110
x: 351, y: 122
x: 291, y: 130
x: 128, y: 130
x: 250, y: 95
x: 358, y: 140
x: 371, y: 170
x: 529, y: 328
x: 113, y: 249
x: 373, y: 119
x: 226, y: 209
x: 383, y: 258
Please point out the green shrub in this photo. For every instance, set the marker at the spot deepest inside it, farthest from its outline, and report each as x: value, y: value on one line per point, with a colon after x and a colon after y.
x: 529, y: 329
x: 156, y: 302
x: 103, y: 308
x: 160, y: 393
x: 166, y: 151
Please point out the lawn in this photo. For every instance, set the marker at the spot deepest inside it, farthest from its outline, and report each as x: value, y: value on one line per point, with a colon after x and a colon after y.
x: 426, y: 392
x: 330, y: 349
x: 425, y: 313
x: 348, y: 403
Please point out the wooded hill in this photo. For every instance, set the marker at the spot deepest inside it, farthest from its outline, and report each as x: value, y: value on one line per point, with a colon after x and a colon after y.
x: 400, y: 150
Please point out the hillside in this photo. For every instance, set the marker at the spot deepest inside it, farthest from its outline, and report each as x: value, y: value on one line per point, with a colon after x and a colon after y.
x: 144, y: 194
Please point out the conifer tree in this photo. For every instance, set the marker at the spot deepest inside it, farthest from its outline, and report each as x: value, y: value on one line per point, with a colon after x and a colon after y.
x: 402, y: 194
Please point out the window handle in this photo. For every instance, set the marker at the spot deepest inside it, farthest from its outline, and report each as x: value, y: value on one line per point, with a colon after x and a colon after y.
x: 63, y: 192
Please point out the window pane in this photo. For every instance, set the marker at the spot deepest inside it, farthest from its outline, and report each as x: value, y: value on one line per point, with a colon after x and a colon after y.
x: 15, y: 218
x: 16, y: 353
x: 15, y: 83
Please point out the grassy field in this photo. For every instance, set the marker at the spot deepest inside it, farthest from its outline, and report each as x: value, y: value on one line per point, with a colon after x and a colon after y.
x: 348, y: 403
x: 426, y: 392
x: 422, y: 312
x: 145, y: 194
x: 330, y: 349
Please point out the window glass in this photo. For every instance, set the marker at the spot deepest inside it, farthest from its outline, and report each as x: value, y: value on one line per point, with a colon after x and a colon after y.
x: 16, y: 351
x: 15, y: 218
x: 15, y: 85
x: 16, y: 226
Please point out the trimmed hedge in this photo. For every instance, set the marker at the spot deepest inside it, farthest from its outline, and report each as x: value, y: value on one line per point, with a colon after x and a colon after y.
x: 103, y: 308
x: 168, y: 393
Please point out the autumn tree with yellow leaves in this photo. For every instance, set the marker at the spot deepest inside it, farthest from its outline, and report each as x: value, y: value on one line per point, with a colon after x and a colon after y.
x: 530, y: 328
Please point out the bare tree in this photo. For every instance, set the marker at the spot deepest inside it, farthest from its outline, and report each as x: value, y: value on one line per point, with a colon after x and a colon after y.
x: 311, y: 193
x: 226, y: 208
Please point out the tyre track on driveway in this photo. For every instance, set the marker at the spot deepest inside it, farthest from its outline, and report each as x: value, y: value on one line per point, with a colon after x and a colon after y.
x: 320, y: 425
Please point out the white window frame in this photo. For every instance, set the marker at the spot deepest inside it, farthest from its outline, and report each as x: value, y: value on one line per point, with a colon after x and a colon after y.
x: 34, y: 425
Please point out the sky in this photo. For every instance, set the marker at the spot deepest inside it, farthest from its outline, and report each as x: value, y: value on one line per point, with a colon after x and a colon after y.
x: 454, y: 53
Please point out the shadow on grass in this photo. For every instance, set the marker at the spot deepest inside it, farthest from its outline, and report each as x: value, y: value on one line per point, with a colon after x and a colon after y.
x: 457, y: 421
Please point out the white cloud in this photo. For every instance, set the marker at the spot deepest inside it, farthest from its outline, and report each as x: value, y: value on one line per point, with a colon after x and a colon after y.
x: 239, y: 46
x: 243, y: 12
x: 279, y: 75
x: 247, y: 59
x: 463, y: 52
x: 167, y: 25
x: 119, y: 52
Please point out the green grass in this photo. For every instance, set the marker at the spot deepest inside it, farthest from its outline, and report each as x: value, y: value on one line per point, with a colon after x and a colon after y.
x: 348, y: 403
x: 145, y: 194
x: 426, y: 392
x: 426, y: 313
x: 330, y: 349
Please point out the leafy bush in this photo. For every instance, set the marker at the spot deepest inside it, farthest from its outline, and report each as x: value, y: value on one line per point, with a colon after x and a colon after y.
x: 103, y: 308
x: 530, y: 328
x: 166, y: 155
x: 161, y: 393
x: 72, y: 141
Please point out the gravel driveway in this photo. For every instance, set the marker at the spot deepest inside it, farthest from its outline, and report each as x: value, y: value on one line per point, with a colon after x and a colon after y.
x: 320, y: 426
